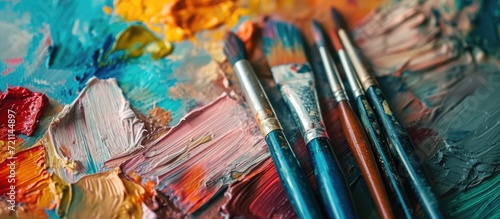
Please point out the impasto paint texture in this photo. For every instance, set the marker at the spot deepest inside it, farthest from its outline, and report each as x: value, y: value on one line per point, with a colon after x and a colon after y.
x: 25, y: 106
x: 98, y: 126
x: 210, y: 148
x: 129, y: 109
x: 447, y: 89
x: 32, y: 184
x: 110, y: 194
x: 180, y: 19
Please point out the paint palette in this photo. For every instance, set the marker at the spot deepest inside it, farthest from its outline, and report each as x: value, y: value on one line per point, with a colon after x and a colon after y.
x: 129, y: 109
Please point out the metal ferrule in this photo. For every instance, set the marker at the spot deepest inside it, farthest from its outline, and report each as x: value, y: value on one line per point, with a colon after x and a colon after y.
x: 333, y: 76
x: 356, y: 88
x: 299, y: 92
x: 256, y: 98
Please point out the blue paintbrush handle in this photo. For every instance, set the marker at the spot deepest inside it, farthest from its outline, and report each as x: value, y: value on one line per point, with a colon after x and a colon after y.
x: 332, y: 186
x: 402, y: 146
x: 292, y: 176
x: 377, y: 140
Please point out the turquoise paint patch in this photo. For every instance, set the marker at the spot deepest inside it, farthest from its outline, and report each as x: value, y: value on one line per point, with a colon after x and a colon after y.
x: 52, y: 214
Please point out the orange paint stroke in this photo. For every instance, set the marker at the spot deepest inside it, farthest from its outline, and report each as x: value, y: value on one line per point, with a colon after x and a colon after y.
x: 31, y: 181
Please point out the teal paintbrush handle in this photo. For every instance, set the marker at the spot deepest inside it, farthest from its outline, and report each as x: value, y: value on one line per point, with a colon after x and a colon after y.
x: 376, y: 137
x: 402, y: 146
x: 292, y: 176
x: 332, y: 186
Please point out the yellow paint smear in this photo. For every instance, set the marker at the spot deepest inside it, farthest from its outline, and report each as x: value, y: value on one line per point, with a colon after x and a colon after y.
x: 137, y: 40
x: 180, y: 19
x: 387, y: 109
x: 108, y: 195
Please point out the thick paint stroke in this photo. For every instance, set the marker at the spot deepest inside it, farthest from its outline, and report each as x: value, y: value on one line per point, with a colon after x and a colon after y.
x: 470, y: 150
x: 97, y: 126
x: 210, y: 148
x: 31, y: 181
x: 20, y: 111
x: 109, y: 194
x: 476, y: 202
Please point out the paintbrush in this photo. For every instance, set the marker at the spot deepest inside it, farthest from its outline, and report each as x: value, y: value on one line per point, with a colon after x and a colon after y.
x: 284, y: 50
x: 398, y: 138
x: 372, y: 127
x: 292, y: 176
x: 353, y: 129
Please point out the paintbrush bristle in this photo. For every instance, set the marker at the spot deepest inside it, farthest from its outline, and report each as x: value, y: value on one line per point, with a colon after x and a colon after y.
x: 283, y: 44
x: 234, y: 49
x: 319, y: 39
x: 337, y: 19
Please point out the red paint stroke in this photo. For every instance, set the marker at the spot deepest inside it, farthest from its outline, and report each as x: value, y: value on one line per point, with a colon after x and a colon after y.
x: 24, y: 108
x: 12, y: 63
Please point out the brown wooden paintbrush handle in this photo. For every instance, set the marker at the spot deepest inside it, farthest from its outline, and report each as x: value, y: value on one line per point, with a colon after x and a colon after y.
x: 363, y: 154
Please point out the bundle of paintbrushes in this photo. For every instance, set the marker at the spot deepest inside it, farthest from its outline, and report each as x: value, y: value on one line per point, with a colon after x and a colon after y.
x: 285, y: 53
x: 364, y: 111
x: 353, y: 129
x: 284, y: 50
x: 401, y: 143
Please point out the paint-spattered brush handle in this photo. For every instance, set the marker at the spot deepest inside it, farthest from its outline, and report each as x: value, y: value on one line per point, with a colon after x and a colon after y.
x: 330, y: 179
x: 360, y: 147
x: 377, y: 140
x: 402, y: 145
x: 292, y: 177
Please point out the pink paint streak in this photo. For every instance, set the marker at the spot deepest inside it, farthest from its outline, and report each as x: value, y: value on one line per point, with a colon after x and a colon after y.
x: 211, y: 147
x: 12, y: 63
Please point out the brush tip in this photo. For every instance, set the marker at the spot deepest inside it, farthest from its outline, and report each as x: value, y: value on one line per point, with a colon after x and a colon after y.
x: 318, y: 33
x: 283, y: 43
x: 337, y: 19
x: 234, y: 48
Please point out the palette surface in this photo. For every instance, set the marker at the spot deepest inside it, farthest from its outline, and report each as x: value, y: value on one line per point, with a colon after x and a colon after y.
x: 130, y: 109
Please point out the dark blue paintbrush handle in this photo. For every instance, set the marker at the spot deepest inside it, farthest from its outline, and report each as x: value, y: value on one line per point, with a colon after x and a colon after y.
x: 292, y: 176
x: 331, y: 183
x: 402, y: 146
x: 377, y: 139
